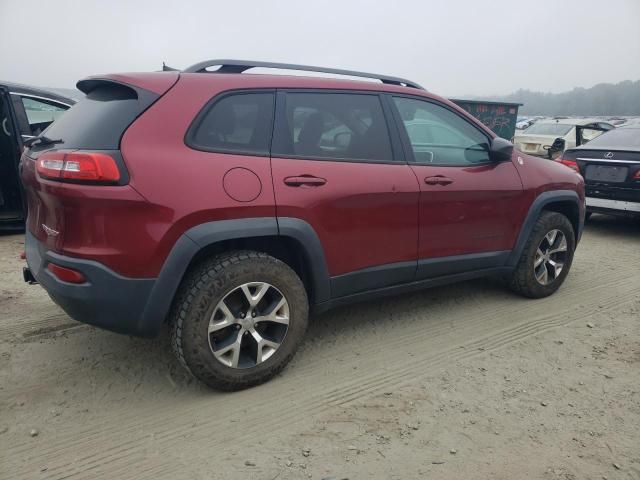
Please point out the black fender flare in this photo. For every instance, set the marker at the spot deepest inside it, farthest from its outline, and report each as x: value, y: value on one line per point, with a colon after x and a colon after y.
x: 200, y: 236
x: 536, y: 207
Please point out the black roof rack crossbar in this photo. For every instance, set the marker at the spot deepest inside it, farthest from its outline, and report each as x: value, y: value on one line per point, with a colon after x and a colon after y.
x: 239, y: 66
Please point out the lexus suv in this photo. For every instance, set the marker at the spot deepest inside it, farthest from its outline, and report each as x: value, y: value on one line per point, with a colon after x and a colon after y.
x: 229, y: 205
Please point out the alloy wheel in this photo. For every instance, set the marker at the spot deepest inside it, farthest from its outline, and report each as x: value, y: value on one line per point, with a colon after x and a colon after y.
x: 248, y: 325
x: 550, y: 257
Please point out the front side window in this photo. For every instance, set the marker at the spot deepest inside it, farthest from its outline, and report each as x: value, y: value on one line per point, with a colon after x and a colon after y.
x: 438, y: 136
x: 41, y: 113
x: 334, y: 126
x: 236, y: 123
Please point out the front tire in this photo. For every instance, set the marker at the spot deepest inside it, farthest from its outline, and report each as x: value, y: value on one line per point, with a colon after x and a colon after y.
x: 239, y: 319
x: 546, y: 258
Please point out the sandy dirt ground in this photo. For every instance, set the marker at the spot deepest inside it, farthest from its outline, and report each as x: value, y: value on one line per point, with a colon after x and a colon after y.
x: 461, y: 382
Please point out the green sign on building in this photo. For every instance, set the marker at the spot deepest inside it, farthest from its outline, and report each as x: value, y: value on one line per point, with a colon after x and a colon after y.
x: 500, y: 117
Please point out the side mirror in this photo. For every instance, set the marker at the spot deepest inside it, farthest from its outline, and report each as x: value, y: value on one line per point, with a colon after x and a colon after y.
x: 501, y: 150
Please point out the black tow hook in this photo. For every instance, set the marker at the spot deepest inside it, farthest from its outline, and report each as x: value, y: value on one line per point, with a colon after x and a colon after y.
x: 28, y: 276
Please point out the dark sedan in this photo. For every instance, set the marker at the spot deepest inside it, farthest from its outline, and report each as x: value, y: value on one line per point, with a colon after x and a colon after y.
x: 610, y: 165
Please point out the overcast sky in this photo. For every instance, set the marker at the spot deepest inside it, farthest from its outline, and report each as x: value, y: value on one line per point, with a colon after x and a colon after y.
x: 452, y: 47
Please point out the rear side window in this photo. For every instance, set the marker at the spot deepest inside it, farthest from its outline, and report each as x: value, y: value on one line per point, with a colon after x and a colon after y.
x: 334, y: 126
x: 99, y: 120
x: 236, y: 123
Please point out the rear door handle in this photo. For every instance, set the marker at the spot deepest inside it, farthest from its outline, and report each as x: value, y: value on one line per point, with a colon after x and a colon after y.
x: 438, y: 180
x: 305, y: 180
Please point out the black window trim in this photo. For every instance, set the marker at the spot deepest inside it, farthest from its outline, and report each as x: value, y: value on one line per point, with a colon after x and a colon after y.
x: 406, y: 142
x: 189, y: 137
x: 39, y: 98
x: 23, y: 109
x: 279, y: 131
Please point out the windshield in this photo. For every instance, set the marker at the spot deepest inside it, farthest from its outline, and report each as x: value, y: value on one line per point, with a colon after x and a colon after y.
x: 619, y: 138
x: 558, y: 129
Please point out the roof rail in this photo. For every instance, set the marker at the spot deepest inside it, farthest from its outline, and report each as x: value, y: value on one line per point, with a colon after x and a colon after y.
x: 239, y: 66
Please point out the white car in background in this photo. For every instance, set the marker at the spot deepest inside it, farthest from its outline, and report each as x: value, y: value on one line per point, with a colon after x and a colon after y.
x: 541, y: 136
x: 523, y: 122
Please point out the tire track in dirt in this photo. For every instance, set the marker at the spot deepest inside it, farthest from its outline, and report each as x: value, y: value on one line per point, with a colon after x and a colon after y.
x: 431, y: 364
x: 23, y: 328
x: 318, y: 398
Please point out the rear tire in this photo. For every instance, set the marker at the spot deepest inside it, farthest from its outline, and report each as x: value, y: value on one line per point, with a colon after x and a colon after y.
x: 213, y: 333
x: 546, y: 258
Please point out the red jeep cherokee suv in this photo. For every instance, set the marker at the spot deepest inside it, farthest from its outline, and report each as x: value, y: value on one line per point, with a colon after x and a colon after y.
x: 227, y: 205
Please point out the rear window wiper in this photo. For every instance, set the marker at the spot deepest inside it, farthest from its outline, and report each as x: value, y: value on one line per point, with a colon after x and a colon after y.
x: 42, y: 141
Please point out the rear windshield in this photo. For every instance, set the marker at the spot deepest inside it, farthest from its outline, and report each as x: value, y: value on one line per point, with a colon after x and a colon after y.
x: 559, y: 129
x: 618, y: 139
x: 99, y: 120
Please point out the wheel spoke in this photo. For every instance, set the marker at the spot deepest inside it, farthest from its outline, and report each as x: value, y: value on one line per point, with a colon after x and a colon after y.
x: 227, y: 320
x: 560, y: 246
x: 234, y: 348
x: 262, y: 345
x: 542, y: 274
x: 539, y: 258
x: 278, y: 314
x: 557, y: 267
x: 254, y: 298
x: 551, y: 237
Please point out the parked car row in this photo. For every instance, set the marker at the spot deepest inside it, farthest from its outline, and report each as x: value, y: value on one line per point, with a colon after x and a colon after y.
x: 547, y: 138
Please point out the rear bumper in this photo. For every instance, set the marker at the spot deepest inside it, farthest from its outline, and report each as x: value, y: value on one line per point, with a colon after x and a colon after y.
x: 617, y: 207
x: 535, y: 149
x: 106, y: 300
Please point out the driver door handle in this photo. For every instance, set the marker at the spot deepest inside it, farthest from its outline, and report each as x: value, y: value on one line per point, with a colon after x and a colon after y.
x: 438, y: 180
x: 304, y: 180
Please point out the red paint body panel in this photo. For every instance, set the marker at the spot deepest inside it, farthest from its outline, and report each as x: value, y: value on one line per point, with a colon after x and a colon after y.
x: 187, y: 185
x: 365, y: 214
x: 541, y: 175
x: 480, y: 211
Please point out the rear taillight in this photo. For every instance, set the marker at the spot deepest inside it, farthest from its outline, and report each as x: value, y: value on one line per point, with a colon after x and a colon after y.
x: 65, y: 274
x: 80, y: 166
x: 637, y: 175
x: 572, y: 164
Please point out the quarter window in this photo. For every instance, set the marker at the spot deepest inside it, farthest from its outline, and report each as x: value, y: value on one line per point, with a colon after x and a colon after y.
x: 438, y: 136
x: 334, y: 126
x: 237, y: 123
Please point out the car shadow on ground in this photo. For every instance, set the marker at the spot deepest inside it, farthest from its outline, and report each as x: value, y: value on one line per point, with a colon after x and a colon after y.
x: 120, y: 364
x: 123, y: 364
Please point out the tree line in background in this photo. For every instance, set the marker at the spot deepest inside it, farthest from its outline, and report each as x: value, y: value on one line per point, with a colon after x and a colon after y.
x: 603, y: 99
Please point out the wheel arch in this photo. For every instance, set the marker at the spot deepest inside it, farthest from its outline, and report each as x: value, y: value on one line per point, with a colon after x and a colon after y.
x: 292, y: 241
x: 569, y: 209
x: 566, y: 202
